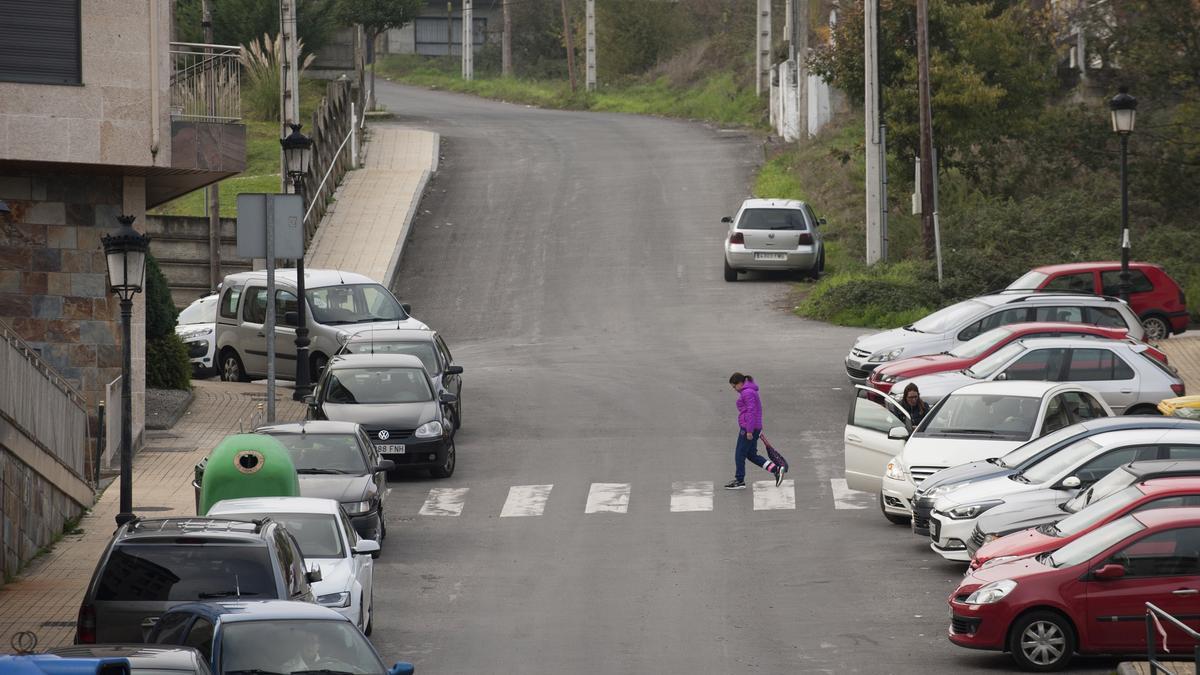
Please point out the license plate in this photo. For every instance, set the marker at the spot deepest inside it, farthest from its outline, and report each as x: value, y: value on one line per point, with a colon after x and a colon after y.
x: 770, y: 256
x: 935, y: 529
x: 391, y: 449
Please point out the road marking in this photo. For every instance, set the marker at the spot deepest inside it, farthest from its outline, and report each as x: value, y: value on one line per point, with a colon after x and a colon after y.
x: 608, y: 498
x: 445, y: 502
x: 844, y: 497
x: 767, y: 497
x: 692, y: 495
x: 526, y: 500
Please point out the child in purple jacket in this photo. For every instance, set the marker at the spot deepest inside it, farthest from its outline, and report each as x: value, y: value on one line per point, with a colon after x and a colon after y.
x: 750, y: 425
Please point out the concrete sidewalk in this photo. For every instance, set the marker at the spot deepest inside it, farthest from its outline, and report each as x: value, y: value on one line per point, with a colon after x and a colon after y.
x: 1184, y: 353
x: 45, y: 597
x: 366, y: 230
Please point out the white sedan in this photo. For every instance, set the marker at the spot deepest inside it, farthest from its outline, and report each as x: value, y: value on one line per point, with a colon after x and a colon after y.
x: 328, y: 540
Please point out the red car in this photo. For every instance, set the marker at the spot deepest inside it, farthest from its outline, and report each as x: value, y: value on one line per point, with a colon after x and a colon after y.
x: 1153, y: 295
x: 969, y: 353
x: 1088, y: 597
x: 1157, y: 493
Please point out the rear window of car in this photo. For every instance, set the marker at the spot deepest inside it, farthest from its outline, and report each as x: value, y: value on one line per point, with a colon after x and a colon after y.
x: 421, y: 350
x: 200, y: 311
x: 186, y: 572
x: 1138, y: 282
x: 772, y: 219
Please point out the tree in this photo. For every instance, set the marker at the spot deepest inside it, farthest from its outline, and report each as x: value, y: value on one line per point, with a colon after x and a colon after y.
x: 376, y: 17
x: 238, y: 22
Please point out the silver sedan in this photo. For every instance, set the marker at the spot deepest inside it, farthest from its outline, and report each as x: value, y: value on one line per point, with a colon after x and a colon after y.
x: 773, y: 234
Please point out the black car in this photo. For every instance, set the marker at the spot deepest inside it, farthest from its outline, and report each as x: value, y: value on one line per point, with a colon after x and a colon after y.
x: 393, y: 398
x: 152, y: 565
x: 1026, y: 456
x: 144, y: 659
x: 422, y: 343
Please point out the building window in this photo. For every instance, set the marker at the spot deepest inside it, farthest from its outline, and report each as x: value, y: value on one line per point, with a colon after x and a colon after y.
x: 41, y: 42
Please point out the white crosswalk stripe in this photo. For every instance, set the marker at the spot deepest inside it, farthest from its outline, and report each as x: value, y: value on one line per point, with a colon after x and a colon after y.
x: 767, y: 497
x: 526, y: 500
x: 844, y: 498
x: 608, y: 498
x: 692, y: 495
x: 445, y: 502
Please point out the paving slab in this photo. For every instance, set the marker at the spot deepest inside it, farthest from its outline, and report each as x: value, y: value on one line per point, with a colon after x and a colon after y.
x: 1184, y: 353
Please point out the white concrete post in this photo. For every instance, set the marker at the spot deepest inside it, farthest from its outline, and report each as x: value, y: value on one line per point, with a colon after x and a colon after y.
x: 591, y: 45
x: 871, y: 108
x: 353, y: 137
x: 468, y: 42
x: 762, y: 80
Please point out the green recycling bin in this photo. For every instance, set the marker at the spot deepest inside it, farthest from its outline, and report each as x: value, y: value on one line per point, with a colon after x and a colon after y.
x: 247, y: 465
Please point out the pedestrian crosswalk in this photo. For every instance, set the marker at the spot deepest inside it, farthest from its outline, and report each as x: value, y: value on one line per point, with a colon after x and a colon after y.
x: 525, y: 501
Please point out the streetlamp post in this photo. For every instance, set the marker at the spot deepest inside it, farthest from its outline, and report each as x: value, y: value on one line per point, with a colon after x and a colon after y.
x: 297, y: 153
x: 1124, y: 112
x: 125, y: 252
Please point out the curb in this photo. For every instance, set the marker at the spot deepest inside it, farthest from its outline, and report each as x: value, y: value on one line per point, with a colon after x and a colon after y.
x: 163, y: 425
x: 393, y: 265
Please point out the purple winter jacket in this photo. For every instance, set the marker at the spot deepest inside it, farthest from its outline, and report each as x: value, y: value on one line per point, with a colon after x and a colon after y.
x: 749, y: 408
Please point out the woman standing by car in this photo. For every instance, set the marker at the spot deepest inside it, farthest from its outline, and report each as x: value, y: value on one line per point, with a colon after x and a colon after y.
x: 913, y: 405
x: 750, y: 424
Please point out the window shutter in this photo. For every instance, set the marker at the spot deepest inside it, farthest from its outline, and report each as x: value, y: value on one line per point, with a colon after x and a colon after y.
x: 41, y: 41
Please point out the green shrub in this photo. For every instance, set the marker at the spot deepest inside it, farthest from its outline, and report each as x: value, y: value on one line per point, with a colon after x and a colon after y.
x: 160, y: 308
x: 167, y: 365
x: 884, y: 296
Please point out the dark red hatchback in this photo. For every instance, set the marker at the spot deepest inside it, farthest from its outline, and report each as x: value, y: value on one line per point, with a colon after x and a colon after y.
x: 1155, y: 297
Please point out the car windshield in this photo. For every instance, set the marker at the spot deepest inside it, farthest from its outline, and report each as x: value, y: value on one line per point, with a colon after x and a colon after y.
x: 203, y: 310
x: 984, y: 415
x: 1028, y: 282
x: 294, y: 645
x: 1061, y: 462
x: 772, y: 219
x: 1093, y: 543
x: 1098, y: 511
x: 338, y: 453
x: 1033, y: 448
x: 377, y: 385
x: 422, y: 350
x: 991, y: 364
x: 1112, y: 483
x: 353, y: 303
x: 317, y: 533
x: 980, y: 344
x: 946, y: 318
x: 182, y: 572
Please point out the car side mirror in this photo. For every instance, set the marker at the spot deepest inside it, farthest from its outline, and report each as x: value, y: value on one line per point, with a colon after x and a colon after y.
x: 402, y: 668
x: 821, y: 221
x: 454, y: 370
x: 313, y: 575
x: 727, y: 219
x: 1109, y: 572
x: 148, y: 625
x: 447, y: 397
x: 291, y: 319
x: 1002, y: 376
x: 310, y: 400
x: 1071, y: 482
x: 898, y: 433
x: 366, y: 546
x: 407, y: 307
x: 385, y: 465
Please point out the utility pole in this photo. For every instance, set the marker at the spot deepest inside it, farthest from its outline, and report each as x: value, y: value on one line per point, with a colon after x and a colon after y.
x: 926, y: 114
x: 570, y: 45
x: 212, y: 193
x: 799, y: 42
x: 449, y: 28
x: 506, y: 42
x: 289, y: 95
x: 872, y: 146
x: 762, y: 52
x: 591, y: 45
x: 468, y: 42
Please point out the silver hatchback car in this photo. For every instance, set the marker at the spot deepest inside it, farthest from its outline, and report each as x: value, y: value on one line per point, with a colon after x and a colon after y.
x: 774, y: 234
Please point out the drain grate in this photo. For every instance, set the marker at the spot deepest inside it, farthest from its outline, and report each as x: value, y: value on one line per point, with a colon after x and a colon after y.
x: 170, y: 448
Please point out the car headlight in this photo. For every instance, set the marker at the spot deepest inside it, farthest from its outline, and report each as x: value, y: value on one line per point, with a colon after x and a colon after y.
x: 993, y: 592
x: 990, y: 537
x: 429, y: 430
x: 357, y: 508
x: 334, y: 599
x: 966, y: 511
x: 342, y: 336
x: 895, y: 469
x: 887, y: 356
x: 998, y: 560
x: 888, y: 379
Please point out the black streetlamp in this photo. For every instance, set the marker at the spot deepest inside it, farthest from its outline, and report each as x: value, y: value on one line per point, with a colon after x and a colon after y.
x: 125, y: 251
x: 1124, y: 111
x: 297, y: 153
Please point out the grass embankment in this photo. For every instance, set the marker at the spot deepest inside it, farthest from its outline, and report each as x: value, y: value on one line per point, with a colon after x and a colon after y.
x: 717, y: 98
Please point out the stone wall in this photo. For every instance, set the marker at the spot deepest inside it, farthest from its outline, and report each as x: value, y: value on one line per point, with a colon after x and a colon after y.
x: 32, y: 512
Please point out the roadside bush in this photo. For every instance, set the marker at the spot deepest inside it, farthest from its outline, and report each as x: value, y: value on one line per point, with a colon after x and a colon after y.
x: 880, y: 296
x: 167, y: 365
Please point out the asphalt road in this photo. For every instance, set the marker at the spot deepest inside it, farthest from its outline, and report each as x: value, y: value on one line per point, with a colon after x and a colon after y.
x: 573, y: 262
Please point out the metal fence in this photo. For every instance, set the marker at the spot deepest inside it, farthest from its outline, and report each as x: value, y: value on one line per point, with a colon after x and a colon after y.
x: 43, y: 404
x: 1155, y: 632
x: 206, y: 82
x: 112, y: 424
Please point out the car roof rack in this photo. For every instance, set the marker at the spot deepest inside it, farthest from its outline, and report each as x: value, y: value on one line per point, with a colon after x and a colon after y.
x: 1163, y: 468
x: 1078, y: 294
x: 196, y: 524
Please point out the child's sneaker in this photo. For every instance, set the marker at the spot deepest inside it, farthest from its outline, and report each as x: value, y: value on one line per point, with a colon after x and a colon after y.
x: 779, y: 475
x: 735, y: 485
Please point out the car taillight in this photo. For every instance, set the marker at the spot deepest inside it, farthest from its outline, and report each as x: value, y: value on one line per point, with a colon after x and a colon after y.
x: 805, y: 238
x: 85, y: 627
x: 1179, y: 389
x: 737, y: 238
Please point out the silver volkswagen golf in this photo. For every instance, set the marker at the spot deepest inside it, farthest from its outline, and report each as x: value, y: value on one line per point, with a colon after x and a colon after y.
x: 774, y: 234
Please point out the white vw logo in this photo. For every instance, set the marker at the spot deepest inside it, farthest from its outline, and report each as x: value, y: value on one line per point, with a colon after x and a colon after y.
x: 383, y: 434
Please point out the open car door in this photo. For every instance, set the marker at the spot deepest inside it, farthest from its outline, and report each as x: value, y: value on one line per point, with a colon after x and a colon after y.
x: 869, y: 438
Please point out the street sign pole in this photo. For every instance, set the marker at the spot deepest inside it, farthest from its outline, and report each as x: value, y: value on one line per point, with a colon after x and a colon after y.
x: 269, y: 327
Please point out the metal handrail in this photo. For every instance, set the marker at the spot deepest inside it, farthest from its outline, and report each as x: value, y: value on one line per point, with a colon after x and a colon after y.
x: 206, y: 82
x: 1156, y: 666
x: 31, y: 354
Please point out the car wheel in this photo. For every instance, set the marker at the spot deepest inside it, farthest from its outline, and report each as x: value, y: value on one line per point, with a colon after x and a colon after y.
x: 891, y: 517
x: 458, y: 412
x: 382, y: 526
x: 1042, y: 641
x: 232, y: 369
x: 730, y: 273
x: 1156, y: 328
x: 447, y: 468
x: 370, y: 616
x: 1143, y: 410
x: 316, y: 365
x: 362, y: 615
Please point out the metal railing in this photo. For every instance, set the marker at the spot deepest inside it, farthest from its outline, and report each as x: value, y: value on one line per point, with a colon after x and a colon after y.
x: 206, y: 82
x: 1154, y: 619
